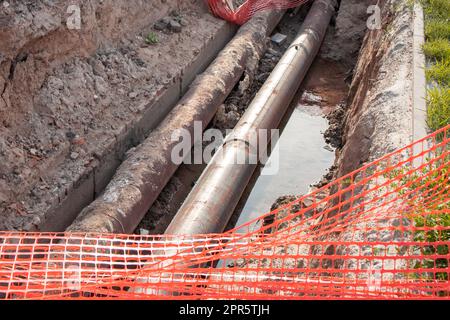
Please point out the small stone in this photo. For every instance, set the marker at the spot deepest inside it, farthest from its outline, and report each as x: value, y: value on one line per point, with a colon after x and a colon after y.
x: 175, y: 26
x: 28, y: 227
x: 279, y: 38
x: 311, y: 98
x: 231, y: 107
x: 33, y: 151
x: 273, y: 52
x: 166, y: 20
x: 74, y: 155
x: 70, y: 135
x: 232, y: 118
x: 160, y: 25
x: 36, y: 221
x: 133, y: 95
x: 262, y: 77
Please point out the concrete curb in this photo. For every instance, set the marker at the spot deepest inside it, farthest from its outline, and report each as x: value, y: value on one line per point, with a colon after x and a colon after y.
x: 420, y: 128
x: 419, y: 125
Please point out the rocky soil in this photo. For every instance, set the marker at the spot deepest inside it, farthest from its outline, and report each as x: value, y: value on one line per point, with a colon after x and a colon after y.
x: 67, y: 94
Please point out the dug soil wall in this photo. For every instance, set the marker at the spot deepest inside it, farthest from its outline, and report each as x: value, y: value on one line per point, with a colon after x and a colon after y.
x: 75, y: 100
x: 379, y: 116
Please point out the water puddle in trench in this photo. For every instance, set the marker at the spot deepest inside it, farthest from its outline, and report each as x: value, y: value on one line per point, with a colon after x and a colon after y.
x: 304, y: 156
x: 303, y: 160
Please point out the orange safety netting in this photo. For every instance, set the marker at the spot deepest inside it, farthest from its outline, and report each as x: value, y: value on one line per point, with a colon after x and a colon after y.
x: 382, y: 232
x: 225, y: 8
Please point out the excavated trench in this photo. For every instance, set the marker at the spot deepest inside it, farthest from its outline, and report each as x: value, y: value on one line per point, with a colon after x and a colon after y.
x: 172, y: 197
x: 303, y: 154
x: 75, y: 101
x: 75, y: 104
x: 310, y: 131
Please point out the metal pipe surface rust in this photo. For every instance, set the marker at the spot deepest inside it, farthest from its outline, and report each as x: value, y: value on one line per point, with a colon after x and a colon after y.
x: 143, y: 175
x: 212, y: 201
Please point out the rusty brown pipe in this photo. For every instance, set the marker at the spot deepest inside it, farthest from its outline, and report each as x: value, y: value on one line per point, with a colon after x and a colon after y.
x: 140, y: 179
x: 212, y: 201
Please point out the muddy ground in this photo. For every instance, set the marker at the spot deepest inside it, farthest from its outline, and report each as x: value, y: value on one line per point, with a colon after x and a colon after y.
x: 67, y: 95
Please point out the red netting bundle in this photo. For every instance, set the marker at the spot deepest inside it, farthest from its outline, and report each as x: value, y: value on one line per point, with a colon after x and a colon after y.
x: 382, y: 232
x: 247, y: 8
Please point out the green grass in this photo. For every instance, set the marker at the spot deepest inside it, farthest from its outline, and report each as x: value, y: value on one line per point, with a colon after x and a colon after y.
x: 439, y: 72
x: 436, y: 8
x: 437, y: 29
x: 438, y: 100
x: 432, y: 236
x: 431, y: 229
x: 437, y: 49
x: 151, y: 38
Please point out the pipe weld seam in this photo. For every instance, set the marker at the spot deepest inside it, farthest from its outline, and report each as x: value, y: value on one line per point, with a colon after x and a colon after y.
x: 234, y: 139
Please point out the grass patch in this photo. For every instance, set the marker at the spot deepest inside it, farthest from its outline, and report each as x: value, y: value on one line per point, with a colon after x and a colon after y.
x: 437, y: 29
x: 439, y: 72
x: 428, y: 193
x: 438, y: 100
x: 438, y: 49
x: 433, y: 229
x: 436, y: 8
x: 152, y: 38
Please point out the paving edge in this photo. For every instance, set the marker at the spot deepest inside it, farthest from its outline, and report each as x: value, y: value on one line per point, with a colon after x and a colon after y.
x: 420, y: 128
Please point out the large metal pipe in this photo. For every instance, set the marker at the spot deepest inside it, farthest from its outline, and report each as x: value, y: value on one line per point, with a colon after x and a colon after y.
x: 212, y: 201
x: 142, y: 176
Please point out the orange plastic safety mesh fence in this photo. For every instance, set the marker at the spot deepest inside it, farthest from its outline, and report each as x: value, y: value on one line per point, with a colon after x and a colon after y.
x: 225, y: 8
x: 382, y: 232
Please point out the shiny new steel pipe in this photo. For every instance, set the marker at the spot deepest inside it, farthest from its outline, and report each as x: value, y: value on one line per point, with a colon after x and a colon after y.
x: 213, y: 199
